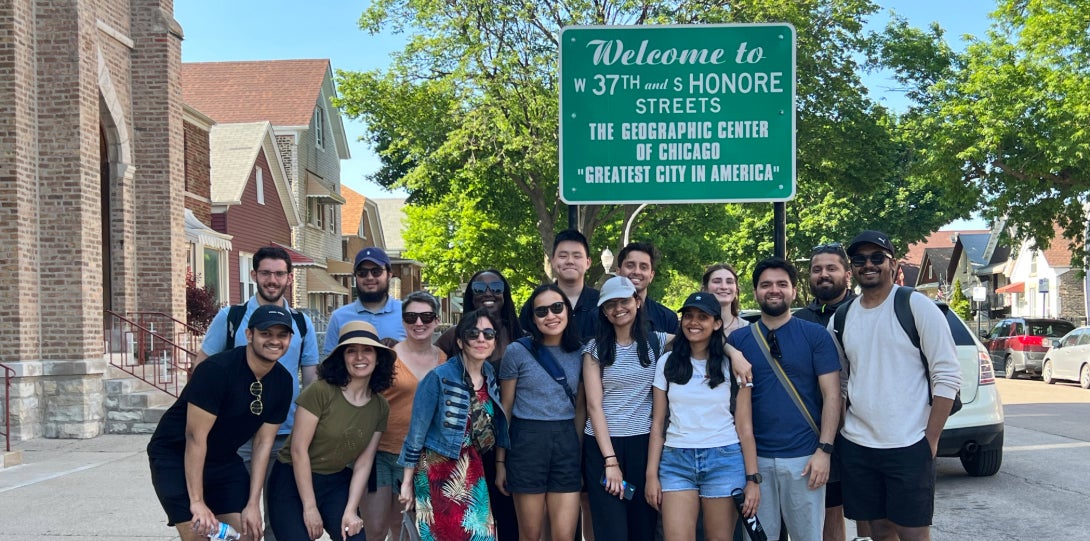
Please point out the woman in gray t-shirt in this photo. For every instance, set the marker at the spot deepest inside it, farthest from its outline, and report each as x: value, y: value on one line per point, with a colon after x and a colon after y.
x: 539, y: 383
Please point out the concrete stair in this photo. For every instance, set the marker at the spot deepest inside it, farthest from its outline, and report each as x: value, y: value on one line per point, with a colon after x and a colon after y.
x: 133, y: 406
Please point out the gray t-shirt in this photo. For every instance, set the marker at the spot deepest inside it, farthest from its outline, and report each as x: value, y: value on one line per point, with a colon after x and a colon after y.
x: 538, y: 397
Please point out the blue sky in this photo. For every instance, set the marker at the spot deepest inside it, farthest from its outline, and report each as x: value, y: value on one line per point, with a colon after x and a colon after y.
x: 221, y: 30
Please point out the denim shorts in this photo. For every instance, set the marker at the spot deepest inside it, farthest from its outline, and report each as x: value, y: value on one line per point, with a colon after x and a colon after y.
x: 715, y: 471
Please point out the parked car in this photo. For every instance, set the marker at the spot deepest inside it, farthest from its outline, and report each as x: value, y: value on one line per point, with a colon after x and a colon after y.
x: 1069, y: 359
x: 974, y: 434
x: 1017, y: 345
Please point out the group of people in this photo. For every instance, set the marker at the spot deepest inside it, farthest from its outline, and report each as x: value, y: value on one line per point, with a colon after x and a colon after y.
x: 594, y: 409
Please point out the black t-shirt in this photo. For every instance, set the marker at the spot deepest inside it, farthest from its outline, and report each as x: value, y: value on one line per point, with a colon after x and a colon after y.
x: 221, y: 386
x: 661, y: 318
x: 821, y: 313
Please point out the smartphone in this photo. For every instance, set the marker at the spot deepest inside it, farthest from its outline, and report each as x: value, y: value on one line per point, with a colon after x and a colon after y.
x: 629, y: 489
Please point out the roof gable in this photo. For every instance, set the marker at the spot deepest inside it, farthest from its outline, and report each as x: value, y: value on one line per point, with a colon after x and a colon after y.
x: 352, y: 211
x: 233, y: 152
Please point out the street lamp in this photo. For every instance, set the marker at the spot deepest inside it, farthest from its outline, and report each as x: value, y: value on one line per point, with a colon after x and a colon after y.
x: 607, y: 260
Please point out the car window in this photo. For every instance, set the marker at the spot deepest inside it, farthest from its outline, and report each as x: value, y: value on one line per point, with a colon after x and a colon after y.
x: 1073, y: 339
x: 1084, y: 337
x: 1051, y: 329
x: 997, y: 331
x: 962, y: 336
x: 1016, y: 329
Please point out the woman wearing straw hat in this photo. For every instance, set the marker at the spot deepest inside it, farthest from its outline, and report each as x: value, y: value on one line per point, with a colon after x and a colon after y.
x: 321, y: 473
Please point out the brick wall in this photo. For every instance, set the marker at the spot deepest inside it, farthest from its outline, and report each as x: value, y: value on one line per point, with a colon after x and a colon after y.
x: 1071, y: 297
x: 198, y: 181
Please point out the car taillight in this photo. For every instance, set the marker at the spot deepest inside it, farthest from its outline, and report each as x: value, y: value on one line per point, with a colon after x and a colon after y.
x: 1029, y: 340
x: 987, y: 374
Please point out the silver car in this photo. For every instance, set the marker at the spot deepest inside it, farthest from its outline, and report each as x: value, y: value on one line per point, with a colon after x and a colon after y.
x: 1069, y: 359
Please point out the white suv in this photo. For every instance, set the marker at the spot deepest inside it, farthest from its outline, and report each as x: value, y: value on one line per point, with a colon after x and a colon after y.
x: 974, y: 434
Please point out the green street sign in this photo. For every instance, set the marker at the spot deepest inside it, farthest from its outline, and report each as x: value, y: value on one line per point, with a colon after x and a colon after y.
x: 677, y: 114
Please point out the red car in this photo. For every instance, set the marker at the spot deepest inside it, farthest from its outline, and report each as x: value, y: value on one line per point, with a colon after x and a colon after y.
x: 1017, y: 345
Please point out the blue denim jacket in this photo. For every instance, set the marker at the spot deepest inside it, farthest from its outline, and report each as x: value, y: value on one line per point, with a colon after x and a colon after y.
x: 441, y: 411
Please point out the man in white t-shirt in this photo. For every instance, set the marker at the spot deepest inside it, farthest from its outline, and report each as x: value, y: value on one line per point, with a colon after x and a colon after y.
x: 886, y: 448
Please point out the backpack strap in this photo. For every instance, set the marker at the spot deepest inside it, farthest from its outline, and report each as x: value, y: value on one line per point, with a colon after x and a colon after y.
x: 838, y: 322
x: 546, y: 360
x: 300, y: 322
x: 234, y: 319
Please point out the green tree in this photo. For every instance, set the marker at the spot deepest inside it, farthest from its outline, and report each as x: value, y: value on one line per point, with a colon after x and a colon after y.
x: 466, y: 120
x: 959, y: 303
x: 1005, y: 123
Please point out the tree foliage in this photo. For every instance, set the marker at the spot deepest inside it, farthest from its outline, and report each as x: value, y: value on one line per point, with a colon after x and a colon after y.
x: 1006, y: 123
x: 466, y: 120
x: 959, y: 303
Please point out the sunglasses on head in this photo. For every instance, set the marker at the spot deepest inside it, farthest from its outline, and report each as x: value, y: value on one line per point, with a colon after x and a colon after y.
x: 474, y: 333
x: 479, y: 288
x: 877, y: 258
x: 256, y: 407
x: 543, y: 310
x: 375, y: 272
x: 424, y: 317
x: 827, y: 248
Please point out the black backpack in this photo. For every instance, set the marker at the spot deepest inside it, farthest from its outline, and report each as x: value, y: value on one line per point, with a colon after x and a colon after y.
x: 234, y: 319
x: 902, y: 306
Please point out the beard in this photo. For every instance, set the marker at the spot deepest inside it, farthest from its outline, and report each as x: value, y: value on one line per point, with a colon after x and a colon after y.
x: 374, y: 296
x: 828, y: 290
x: 773, y: 309
x: 268, y: 299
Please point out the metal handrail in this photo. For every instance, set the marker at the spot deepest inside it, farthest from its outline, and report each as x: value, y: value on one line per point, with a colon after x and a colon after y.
x: 147, y: 355
x: 9, y: 372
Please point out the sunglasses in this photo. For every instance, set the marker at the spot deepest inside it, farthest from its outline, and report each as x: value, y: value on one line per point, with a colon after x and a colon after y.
x: 774, y: 345
x: 375, y: 272
x: 877, y: 258
x: 475, y: 333
x: 479, y: 288
x: 827, y: 248
x: 543, y: 310
x: 256, y: 407
x: 424, y: 317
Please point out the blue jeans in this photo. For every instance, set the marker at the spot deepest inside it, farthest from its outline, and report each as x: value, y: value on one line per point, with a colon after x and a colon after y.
x: 715, y: 471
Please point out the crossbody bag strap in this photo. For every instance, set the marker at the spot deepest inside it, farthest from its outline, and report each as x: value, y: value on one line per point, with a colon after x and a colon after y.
x: 780, y: 375
x: 546, y: 360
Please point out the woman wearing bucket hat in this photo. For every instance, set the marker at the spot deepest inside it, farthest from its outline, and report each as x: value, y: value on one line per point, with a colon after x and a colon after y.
x: 321, y: 473
x: 708, y: 449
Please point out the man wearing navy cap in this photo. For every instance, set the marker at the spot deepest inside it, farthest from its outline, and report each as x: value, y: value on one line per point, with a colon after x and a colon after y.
x: 373, y: 303
x: 232, y: 396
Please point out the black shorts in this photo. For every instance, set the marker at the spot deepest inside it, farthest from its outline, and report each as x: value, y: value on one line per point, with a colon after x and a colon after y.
x: 544, y: 457
x: 833, y: 495
x: 895, y: 484
x: 226, y: 488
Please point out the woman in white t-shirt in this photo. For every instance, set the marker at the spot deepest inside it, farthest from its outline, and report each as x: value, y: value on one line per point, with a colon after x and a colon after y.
x: 707, y: 452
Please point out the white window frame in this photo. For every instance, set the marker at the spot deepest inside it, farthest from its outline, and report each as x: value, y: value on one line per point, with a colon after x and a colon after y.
x: 247, y: 285
x: 260, y: 181
x: 319, y: 127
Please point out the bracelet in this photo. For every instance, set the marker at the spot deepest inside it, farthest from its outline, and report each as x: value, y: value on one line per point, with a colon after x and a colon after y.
x: 501, y: 462
x: 610, y: 456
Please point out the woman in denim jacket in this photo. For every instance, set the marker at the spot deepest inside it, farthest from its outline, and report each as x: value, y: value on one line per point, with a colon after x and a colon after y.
x: 456, y: 418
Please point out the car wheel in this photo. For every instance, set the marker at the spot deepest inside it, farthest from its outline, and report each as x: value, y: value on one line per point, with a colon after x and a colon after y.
x: 1046, y: 373
x: 1008, y: 368
x: 1084, y: 377
x: 984, y: 462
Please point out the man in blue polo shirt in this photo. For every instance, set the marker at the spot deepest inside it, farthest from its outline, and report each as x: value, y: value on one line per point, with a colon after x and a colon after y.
x: 795, y: 412
x: 272, y: 274
x: 373, y: 303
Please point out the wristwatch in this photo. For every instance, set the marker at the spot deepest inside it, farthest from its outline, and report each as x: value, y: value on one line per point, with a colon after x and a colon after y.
x: 827, y: 447
x: 755, y: 477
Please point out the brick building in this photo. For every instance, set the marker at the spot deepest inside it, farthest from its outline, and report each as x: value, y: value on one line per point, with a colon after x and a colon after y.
x: 91, y: 195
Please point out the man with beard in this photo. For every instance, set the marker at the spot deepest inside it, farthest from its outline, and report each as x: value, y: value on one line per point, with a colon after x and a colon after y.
x: 637, y: 262
x: 272, y: 274
x: 373, y: 303
x: 886, y: 448
x: 830, y: 280
x: 796, y: 405
x: 233, y: 396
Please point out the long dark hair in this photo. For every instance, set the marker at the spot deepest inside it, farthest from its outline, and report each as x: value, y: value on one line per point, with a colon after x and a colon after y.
x: 333, y: 371
x: 507, y: 316
x: 605, y: 339
x: 569, y: 339
x: 679, y: 367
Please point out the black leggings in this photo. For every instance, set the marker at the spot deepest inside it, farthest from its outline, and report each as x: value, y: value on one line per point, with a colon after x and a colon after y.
x: 286, y: 508
x: 614, y: 518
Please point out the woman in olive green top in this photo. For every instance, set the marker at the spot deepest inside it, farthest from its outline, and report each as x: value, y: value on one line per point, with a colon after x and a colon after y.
x: 321, y: 473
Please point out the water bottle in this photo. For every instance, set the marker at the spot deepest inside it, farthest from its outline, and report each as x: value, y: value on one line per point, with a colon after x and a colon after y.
x: 751, y: 524
x: 225, y: 531
x: 629, y: 490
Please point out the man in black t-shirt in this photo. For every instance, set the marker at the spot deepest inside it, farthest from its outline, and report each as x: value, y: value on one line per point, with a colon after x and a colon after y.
x: 231, y: 397
x: 637, y: 262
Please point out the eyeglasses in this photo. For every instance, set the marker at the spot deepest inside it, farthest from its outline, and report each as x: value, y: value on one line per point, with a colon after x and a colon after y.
x: 375, y: 272
x: 827, y: 248
x: 877, y: 258
x: 614, y: 304
x: 264, y: 274
x: 256, y: 407
x: 424, y: 317
x: 542, y: 311
x: 474, y: 333
x: 479, y: 288
x: 774, y: 345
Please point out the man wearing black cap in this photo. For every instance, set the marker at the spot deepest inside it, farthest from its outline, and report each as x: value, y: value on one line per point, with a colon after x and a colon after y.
x: 830, y: 281
x: 373, y: 303
x: 796, y: 404
x: 232, y: 396
x: 887, y: 445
